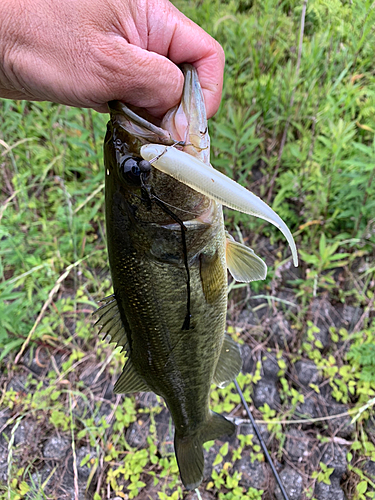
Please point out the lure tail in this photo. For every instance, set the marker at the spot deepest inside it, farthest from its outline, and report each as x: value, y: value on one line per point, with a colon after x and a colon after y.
x: 189, y: 449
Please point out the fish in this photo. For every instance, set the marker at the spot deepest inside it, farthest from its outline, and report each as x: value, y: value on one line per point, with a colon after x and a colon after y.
x: 168, y: 254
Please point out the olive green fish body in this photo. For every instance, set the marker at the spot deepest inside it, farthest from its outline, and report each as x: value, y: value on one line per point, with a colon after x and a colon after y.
x: 168, y: 253
x: 150, y: 285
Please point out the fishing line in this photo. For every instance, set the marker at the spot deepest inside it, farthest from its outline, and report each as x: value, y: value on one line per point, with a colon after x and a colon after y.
x: 262, y: 443
x: 176, y: 208
x: 176, y: 143
x: 186, y: 324
x: 152, y: 197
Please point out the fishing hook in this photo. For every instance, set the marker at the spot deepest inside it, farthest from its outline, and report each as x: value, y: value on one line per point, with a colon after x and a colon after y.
x: 176, y: 143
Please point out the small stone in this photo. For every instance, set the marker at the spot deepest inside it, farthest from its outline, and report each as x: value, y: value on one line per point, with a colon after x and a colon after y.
x: 335, y: 456
x: 248, y: 317
x: 266, y: 392
x: 341, y: 427
x: 370, y: 426
x: 148, y: 400
x: 292, y: 482
x: 321, y: 310
x: 307, y: 409
x: 18, y: 384
x: 247, y: 359
x: 369, y: 468
x: 56, y: 448
x: 39, y: 477
x: 92, y: 376
x: 84, y: 471
x: 270, y: 367
x: 136, y: 434
x: 24, y: 432
x: 3, y: 464
x: 256, y: 310
x: 164, y: 432
x: 254, y: 474
x: 246, y: 429
x: 281, y: 333
x: 209, y: 458
x: 296, y: 445
x: 37, y: 363
x: 103, y: 411
x: 67, y: 489
x: 307, y: 373
x: 331, y: 491
x: 350, y: 316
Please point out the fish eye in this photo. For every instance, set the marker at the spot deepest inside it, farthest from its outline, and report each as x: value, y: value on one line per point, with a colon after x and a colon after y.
x: 132, y: 168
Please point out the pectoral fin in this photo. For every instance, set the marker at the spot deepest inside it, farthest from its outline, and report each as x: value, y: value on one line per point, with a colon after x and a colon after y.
x: 212, y: 183
x: 229, y: 364
x: 111, y: 323
x: 129, y: 381
x: 213, y: 276
x: 243, y: 264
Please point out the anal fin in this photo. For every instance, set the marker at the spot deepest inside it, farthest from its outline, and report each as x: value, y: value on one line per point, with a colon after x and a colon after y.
x: 229, y: 364
x: 243, y: 264
x: 129, y: 381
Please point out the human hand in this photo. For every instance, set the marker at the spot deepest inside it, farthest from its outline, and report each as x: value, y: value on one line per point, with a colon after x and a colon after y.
x: 87, y: 52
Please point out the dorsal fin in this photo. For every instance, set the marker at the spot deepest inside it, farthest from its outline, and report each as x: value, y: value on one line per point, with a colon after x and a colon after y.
x: 111, y: 323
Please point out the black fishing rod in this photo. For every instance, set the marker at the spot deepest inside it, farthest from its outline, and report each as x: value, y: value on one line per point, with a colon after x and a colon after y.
x: 262, y: 443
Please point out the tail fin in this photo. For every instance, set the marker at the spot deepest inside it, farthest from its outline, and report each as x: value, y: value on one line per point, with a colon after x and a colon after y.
x: 189, y: 450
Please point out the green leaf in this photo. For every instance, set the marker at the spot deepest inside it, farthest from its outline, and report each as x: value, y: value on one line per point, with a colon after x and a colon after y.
x: 362, y: 487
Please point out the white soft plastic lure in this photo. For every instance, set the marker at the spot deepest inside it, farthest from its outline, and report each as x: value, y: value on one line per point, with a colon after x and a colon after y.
x: 213, y: 184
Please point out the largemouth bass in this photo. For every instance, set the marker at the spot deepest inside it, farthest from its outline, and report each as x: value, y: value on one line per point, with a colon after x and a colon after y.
x: 168, y: 254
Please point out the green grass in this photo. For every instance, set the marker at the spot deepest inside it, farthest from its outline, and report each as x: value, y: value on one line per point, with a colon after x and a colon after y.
x: 298, y: 130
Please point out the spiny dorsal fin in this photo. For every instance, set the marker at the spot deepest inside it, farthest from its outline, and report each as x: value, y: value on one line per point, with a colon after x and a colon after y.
x: 229, y: 364
x: 129, y: 381
x: 242, y: 262
x: 111, y: 323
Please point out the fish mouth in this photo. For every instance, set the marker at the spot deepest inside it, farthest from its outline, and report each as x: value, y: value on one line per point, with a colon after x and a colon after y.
x: 137, y: 127
x: 187, y: 122
x: 183, y: 126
